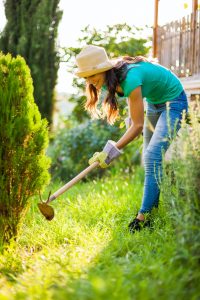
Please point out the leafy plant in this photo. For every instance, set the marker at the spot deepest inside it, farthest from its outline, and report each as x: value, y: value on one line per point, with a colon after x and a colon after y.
x: 23, y: 141
x: 72, y: 148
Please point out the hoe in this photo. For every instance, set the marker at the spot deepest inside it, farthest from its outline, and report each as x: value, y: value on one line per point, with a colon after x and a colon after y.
x: 48, y: 210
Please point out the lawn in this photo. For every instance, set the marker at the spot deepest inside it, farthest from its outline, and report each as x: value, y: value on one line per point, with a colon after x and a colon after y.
x: 86, y: 251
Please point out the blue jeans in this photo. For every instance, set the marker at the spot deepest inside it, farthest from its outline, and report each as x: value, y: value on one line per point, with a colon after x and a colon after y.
x: 161, y: 125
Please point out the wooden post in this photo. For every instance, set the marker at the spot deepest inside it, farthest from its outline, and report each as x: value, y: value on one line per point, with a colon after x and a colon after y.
x: 194, y: 5
x: 193, y: 30
x: 155, y: 29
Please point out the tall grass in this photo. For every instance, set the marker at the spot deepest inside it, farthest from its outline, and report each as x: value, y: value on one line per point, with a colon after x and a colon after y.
x: 86, y: 252
x: 181, y: 193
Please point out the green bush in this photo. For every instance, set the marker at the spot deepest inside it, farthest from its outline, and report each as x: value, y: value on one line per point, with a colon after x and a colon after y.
x: 181, y: 192
x: 23, y: 141
x: 71, y: 149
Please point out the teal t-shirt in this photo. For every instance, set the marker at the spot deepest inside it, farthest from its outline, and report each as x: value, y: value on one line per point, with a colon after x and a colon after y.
x: 158, y: 84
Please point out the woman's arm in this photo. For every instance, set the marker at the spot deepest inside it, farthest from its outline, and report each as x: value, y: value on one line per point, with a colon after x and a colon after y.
x: 137, y: 116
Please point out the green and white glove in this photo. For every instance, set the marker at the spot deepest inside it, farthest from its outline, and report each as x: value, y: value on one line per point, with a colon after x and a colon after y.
x: 110, y: 152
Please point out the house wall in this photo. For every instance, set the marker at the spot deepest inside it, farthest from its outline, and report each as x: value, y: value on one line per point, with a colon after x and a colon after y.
x: 192, y: 87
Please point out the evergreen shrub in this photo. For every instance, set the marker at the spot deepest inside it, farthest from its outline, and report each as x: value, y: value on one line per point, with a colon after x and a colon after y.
x: 31, y: 31
x: 23, y: 142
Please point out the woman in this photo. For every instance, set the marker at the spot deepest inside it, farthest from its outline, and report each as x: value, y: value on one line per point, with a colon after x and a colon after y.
x: 135, y: 78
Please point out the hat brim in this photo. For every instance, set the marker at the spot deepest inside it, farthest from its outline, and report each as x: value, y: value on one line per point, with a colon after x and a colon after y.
x: 92, y: 72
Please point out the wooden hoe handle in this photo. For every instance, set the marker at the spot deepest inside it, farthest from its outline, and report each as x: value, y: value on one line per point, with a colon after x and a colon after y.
x: 73, y: 181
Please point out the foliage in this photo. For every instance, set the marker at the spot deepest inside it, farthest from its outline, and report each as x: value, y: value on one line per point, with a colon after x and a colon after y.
x: 23, y: 141
x: 86, y: 252
x: 181, y: 191
x: 31, y: 31
x: 118, y: 40
x: 72, y: 148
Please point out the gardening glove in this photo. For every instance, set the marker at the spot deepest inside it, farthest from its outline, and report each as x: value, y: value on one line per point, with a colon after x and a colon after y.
x: 100, y: 157
x: 110, y: 152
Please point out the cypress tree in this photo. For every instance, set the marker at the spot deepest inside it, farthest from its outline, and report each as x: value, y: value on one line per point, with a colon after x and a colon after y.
x: 31, y: 31
x: 23, y: 142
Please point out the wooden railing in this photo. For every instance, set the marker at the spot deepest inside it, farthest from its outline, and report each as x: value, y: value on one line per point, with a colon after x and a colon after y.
x: 179, y: 45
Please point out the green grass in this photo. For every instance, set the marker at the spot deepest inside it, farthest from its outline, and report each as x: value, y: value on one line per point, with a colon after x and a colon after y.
x: 86, y: 251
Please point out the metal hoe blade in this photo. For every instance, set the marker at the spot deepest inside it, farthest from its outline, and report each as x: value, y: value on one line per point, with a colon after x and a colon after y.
x: 46, y: 209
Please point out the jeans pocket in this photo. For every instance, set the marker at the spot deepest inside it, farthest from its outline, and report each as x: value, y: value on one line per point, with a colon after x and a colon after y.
x: 178, y: 105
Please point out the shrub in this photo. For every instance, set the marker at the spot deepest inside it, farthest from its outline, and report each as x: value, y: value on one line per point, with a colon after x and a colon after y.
x: 23, y: 141
x: 71, y: 148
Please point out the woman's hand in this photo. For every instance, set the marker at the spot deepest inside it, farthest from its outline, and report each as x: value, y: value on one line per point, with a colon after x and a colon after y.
x: 109, y: 153
x: 101, y: 158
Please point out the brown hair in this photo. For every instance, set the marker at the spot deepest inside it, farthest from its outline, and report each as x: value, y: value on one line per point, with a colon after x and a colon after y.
x: 113, y: 78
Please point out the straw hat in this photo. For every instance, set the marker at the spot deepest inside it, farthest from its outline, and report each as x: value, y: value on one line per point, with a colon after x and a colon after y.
x: 92, y: 60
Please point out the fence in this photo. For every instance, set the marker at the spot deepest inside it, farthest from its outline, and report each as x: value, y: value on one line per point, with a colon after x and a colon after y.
x: 179, y: 45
